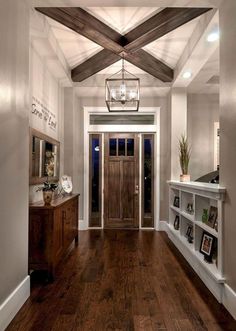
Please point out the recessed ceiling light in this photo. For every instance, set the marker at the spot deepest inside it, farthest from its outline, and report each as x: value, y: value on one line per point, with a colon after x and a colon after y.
x: 213, y: 36
x: 187, y: 74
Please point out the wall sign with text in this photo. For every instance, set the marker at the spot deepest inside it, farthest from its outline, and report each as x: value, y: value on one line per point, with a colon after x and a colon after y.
x: 42, y: 113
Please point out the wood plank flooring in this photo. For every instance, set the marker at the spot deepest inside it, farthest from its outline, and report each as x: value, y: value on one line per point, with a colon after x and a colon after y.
x: 122, y: 280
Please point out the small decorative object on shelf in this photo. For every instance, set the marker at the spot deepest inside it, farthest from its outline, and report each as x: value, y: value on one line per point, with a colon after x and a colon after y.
x: 189, y: 234
x: 176, y: 202
x: 205, y: 215
x: 176, y: 222
x: 66, y: 184
x: 207, y: 246
x: 48, y: 189
x: 216, y: 225
x: 189, y: 208
x: 212, y: 217
x: 184, y: 157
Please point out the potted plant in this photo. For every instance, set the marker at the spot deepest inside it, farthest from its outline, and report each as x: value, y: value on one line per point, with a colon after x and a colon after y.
x: 184, y: 157
x: 48, y: 189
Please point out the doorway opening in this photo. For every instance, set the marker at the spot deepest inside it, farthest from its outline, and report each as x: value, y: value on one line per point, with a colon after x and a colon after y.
x: 121, y: 180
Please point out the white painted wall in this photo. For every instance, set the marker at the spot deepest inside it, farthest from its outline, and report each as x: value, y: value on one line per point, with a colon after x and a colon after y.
x: 203, y: 111
x: 47, y: 90
x: 73, y: 143
x: 228, y: 136
x: 14, y: 156
x: 178, y: 127
x: 164, y: 104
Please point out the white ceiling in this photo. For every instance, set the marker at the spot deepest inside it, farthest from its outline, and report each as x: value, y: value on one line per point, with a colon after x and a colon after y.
x: 126, y: 3
x: 169, y: 49
x: 207, y: 80
x: 77, y: 48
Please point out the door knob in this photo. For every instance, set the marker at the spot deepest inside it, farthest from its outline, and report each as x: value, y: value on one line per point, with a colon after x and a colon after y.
x: 136, y: 190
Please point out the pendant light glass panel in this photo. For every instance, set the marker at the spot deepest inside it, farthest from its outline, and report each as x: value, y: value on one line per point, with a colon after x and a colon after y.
x: 122, y: 92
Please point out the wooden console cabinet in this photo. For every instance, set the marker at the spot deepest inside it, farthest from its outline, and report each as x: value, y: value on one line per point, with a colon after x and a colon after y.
x: 52, y: 230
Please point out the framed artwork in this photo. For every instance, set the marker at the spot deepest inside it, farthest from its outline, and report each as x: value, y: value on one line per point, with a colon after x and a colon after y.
x: 207, y: 245
x: 176, y: 202
x: 212, y: 217
x: 176, y: 222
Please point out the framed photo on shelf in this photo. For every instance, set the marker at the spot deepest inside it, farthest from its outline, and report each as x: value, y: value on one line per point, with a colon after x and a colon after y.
x: 176, y: 222
x: 176, y: 202
x: 189, y: 208
x: 189, y: 232
x: 212, y: 217
x: 207, y: 246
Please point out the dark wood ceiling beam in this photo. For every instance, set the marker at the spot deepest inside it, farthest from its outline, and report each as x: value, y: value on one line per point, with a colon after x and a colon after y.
x: 117, y: 45
x: 159, y: 25
x: 93, y: 65
x: 151, y: 65
x: 140, y: 59
x: 89, y: 26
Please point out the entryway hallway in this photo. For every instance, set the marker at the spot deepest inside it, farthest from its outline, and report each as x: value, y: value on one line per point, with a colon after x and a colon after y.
x: 122, y: 280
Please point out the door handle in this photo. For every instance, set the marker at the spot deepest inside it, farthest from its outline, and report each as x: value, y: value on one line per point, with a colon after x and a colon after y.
x: 136, y: 192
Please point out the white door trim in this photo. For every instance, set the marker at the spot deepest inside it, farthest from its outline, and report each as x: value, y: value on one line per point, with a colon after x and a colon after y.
x: 88, y: 129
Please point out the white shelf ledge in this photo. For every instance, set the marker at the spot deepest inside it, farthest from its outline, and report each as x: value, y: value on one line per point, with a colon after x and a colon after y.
x: 188, y: 216
x: 215, y: 188
x: 209, y: 267
x: 207, y: 229
x: 177, y: 210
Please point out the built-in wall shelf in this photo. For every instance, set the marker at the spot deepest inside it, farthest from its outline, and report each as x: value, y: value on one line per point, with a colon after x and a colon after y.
x: 188, y: 202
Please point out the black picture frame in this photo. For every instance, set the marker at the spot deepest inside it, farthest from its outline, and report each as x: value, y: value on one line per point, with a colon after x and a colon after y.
x: 176, y: 222
x: 189, y: 208
x: 189, y: 231
x: 176, y: 202
x: 207, y: 246
x: 212, y: 217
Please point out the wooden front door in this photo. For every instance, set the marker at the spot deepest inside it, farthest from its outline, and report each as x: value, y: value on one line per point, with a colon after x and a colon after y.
x: 121, y: 181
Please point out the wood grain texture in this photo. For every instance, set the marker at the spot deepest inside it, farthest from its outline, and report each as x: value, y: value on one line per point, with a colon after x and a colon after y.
x: 80, y: 21
x: 121, y: 175
x: 159, y: 25
x: 52, y: 229
x: 123, y: 280
x: 116, y: 45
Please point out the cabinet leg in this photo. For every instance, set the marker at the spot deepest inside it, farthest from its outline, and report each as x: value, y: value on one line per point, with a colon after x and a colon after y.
x: 77, y: 239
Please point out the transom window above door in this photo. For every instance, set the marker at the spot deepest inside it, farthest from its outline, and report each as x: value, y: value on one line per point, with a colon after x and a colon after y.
x: 121, y: 147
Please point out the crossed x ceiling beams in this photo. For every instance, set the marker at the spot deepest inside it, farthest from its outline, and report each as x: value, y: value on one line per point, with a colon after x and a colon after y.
x: 116, y: 45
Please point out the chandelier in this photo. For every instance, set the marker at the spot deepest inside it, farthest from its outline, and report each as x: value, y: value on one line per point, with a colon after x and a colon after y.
x: 122, y: 91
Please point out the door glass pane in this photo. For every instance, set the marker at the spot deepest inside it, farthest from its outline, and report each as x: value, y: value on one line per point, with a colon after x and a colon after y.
x: 147, y: 175
x: 112, y: 143
x: 95, y: 174
x: 130, y: 147
x: 121, y: 146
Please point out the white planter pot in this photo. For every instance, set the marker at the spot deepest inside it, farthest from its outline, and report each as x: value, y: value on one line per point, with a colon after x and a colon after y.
x: 185, y: 178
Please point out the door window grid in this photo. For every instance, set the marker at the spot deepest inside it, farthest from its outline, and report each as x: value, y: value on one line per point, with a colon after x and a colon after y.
x: 121, y: 147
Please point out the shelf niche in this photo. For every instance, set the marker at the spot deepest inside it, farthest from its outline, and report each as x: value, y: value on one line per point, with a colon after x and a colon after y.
x: 201, y: 196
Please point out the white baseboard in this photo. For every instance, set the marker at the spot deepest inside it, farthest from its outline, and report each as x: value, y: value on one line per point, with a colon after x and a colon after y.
x: 83, y: 225
x: 229, y: 300
x: 162, y: 226
x: 14, y: 302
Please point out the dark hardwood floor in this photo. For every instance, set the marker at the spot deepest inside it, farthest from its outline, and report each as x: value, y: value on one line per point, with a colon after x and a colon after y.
x: 122, y: 280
